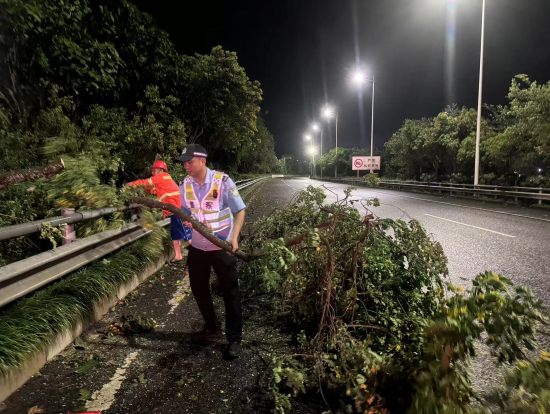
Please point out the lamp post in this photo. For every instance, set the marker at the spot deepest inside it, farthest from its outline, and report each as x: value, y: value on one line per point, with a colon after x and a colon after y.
x: 311, y: 151
x: 315, y: 127
x: 479, y: 98
x: 359, y: 78
x: 328, y: 113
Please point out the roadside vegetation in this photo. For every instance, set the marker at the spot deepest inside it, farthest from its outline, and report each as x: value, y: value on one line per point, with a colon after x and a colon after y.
x: 99, y: 85
x: 377, y: 326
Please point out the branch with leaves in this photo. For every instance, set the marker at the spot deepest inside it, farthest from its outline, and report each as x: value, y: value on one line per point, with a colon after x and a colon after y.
x: 31, y: 174
x: 207, y: 233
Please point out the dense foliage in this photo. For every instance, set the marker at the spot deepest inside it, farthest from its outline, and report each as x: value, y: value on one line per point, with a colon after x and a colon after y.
x: 100, y: 85
x: 377, y: 326
x: 120, y: 87
x: 515, y: 142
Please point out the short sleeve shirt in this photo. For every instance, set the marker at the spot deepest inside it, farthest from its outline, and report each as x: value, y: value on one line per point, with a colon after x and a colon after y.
x: 229, y: 197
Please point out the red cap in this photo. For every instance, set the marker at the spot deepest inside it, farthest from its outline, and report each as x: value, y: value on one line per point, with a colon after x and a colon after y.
x: 160, y: 164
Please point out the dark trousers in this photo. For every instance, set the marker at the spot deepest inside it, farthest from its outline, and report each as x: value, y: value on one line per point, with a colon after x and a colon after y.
x: 199, y: 263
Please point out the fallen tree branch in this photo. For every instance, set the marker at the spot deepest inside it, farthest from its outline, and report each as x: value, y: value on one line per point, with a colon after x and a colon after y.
x: 371, y: 327
x: 328, y: 271
x: 358, y: 247
x: 206, y: 232
x: 31, y: 174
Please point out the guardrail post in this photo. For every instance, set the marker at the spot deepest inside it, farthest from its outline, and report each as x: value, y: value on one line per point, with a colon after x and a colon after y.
x: 540, y: 200
x: 69, y: 234
x: 134, y: 214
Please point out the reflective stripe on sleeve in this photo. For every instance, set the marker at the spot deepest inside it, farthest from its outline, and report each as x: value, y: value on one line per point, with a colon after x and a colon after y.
x: 175, y: 193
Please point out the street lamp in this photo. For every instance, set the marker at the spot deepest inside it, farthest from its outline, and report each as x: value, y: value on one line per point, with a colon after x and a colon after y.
x: 359, y: 78
x: 311, y: 151
x: 315, y: 127
x: 327, y: 112
x: 478, y: 130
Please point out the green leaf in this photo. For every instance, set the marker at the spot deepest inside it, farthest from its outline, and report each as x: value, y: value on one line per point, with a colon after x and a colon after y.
x: 85, y: 395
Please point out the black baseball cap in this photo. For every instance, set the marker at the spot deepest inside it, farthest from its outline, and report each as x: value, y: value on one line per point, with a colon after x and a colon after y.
x: 191, y: 151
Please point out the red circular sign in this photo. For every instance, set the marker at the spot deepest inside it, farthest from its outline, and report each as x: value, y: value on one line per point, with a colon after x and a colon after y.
x: 358, y: 162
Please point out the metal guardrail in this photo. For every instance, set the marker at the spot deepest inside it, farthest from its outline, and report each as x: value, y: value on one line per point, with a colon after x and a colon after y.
x: 25, y: 276
x: 19, y: 278
x: 9, y: 232
x: 494, y: 191
x: 17, y: 230
x: 248, y: 183
x: 540, y: 190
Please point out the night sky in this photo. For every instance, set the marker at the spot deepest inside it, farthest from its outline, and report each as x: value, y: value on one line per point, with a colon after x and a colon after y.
x: 302, y: 52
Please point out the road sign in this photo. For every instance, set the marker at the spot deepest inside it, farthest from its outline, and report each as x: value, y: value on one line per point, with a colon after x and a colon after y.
x: 365, y: 163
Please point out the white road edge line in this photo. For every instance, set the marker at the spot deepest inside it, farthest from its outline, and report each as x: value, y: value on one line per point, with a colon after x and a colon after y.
x: 469, y: 225
x: 104, y: 398
x: 183, y: 290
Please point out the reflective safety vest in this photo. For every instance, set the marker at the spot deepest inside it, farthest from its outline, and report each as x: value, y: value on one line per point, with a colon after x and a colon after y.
x: 208, y: 211
x: 166, y: 190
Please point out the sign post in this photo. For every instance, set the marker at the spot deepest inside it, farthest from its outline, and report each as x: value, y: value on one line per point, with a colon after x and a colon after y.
x: 365, y: 163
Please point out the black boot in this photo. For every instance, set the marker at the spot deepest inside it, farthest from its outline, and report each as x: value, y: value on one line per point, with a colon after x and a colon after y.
x: 206, y: 335
x: 234, y: 350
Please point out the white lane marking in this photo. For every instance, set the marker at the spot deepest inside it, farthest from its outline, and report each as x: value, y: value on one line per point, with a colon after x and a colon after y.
x: 179, y: 295
x: 469, y: 225
x: 464, y: 206
x: 104, y: 398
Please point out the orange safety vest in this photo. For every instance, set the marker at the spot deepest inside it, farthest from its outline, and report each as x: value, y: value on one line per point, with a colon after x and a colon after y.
x: 164, y: 187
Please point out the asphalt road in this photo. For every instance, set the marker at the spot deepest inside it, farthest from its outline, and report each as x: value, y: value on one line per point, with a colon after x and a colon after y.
x: 476, y: 236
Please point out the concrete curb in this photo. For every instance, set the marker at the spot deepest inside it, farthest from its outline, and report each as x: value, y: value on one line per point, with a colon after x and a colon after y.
x: 17, y: 377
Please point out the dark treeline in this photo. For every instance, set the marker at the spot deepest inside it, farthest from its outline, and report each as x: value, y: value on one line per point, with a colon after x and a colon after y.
x: 514, y: 150
x: 100, y: 79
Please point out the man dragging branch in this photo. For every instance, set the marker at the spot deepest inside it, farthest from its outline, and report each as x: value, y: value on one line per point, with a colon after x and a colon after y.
x: 214, y: 200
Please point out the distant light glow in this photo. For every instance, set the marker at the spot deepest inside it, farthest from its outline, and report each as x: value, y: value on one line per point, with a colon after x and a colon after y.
x: 311, y: 151
x: 315, y: 127
x: 308, y: 137
x: 539, y: 169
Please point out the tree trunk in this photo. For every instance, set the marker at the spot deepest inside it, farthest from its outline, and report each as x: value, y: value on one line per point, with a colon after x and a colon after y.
x: 32, y: 174
x: 207, y: 232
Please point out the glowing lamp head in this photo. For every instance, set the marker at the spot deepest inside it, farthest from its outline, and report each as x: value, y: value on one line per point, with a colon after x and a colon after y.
x: 315, y: 127
x: 358, y: 77
x: 327, y: 112
x: 311, y: 151
x: 307, y: 137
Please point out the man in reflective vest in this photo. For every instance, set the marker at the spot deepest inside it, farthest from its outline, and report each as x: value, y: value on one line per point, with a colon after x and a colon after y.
x: 167, y: 191
x: 214, y: 200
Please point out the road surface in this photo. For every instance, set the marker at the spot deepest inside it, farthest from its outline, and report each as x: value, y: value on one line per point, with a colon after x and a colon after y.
x: 476, y: 236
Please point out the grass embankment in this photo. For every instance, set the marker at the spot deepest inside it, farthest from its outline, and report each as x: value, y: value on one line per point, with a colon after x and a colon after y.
x: 31, y: 323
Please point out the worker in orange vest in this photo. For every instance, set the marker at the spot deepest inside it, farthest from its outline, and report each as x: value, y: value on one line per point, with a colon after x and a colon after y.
x: 168, y: 192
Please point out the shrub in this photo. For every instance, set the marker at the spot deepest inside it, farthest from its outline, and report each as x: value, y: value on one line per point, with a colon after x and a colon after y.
x: 378, y: 327
x: 372, y: 180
